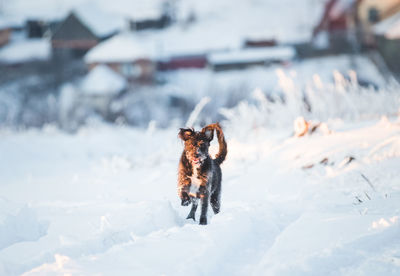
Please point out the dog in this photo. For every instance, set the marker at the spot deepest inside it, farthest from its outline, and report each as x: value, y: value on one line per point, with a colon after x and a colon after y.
x: 199, y: 175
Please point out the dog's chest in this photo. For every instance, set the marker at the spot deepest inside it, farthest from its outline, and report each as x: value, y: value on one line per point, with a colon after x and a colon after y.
x: 197, y: 180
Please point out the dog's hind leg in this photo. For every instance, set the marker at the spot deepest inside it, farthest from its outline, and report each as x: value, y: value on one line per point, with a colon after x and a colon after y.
x: 204, y: 208
x: 195, y: 202
x: 215, y: 202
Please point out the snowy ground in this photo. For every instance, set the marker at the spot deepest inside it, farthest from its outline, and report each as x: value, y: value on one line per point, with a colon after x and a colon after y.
x: 103, y: 202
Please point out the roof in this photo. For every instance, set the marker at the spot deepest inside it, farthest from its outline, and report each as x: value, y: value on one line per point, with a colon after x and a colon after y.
x: 102, y: 81
x: 72, y: 28
x: 6, y: 23
x: 253, y: 55
x: 57, y: 10
x: 123, y: 47
x: 25, y: 51
x: 390, y: 27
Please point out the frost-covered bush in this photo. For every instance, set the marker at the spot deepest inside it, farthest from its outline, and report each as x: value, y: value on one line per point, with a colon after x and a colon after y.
x: 260, y: 96
x: 345, y: 99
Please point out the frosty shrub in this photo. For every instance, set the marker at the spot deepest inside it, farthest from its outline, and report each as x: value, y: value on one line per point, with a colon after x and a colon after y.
x: 343, y: 99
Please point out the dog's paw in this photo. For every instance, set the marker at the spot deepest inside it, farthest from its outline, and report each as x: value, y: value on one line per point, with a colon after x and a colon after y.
x: 185, y: 202
x: 185, y: 199
x: 203, y: 221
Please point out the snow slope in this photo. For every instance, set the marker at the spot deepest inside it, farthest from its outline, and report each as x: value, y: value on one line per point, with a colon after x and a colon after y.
x: 103, y: 202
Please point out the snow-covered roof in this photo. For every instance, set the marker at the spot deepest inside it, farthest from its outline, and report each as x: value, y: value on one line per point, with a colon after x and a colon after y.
x: 123, y: 47
x: 25, y: 50
x: 253, y: 55
x: 216, y: 21
x: 8, y: 22
x: 102, y: 80
x: 390, y: 27
x: 286, y: 21
x: 176, y: 41
x: 57, y: 10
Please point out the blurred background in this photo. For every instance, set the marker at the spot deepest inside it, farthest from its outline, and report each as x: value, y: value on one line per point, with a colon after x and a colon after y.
x: 70, y: 63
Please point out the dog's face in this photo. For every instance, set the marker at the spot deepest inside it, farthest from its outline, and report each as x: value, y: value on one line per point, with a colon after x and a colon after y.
x: 196, y: 144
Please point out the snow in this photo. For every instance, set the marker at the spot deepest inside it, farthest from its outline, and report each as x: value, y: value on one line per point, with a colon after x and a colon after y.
x: 390, y: 27
x: 281, y: 53
x: 101, y: 23
x: 57, y: 10
x: 102, y: 81
x: 247, y: 18
x: 103, y: 202
x: 25, y: 50
x: 123, y: 47
x: 236, y: 21
x: 136, y: 10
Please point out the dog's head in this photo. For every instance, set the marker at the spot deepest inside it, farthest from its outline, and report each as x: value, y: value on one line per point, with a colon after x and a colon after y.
x: 196, y: 143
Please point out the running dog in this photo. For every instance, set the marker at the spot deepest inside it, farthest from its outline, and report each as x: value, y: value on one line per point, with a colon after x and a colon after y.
x: 199, y: 175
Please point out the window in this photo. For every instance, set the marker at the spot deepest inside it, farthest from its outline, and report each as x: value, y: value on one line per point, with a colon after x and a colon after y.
x: 373, y: 15
x: 131, y: 70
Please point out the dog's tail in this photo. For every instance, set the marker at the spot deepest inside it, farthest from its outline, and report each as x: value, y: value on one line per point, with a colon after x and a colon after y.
x: 223, y: 149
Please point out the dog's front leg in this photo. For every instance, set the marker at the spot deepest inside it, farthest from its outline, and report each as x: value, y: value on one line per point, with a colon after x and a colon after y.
x: 195, y: 202
x: 204, y: 208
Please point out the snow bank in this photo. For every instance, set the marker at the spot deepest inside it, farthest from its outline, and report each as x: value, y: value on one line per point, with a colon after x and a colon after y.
x: 19, y: 225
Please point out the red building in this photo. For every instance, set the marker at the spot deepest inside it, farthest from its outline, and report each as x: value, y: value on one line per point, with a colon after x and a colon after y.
x: 182, y: 62
x: 339, y: 22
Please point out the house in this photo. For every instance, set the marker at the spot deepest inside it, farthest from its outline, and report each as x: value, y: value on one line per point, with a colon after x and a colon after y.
x: 244, y: 58
x: 387, y: 39
x: 179, y: 48
x: 338, y: 22
x: 150, y: 20
x: 258, y: 40
x: 36, y: 28
x: 125, y: 55
x: 149, y: 14
x: 182, y: 62
x: 99, y: 87
x: 83, y: 29
x: 5, y: 32
x: 370, y: 12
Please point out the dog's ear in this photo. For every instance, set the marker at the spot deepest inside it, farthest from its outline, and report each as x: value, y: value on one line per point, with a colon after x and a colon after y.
x: 208, y: 132
x: 185, y: 133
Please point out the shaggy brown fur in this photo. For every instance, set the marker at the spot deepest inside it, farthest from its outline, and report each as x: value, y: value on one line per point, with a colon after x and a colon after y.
x: 199, y: 174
